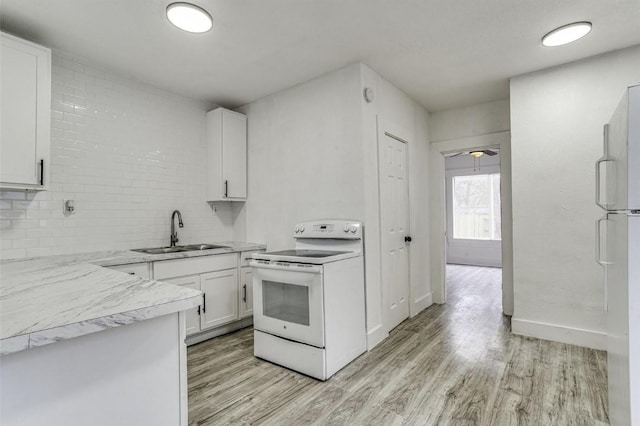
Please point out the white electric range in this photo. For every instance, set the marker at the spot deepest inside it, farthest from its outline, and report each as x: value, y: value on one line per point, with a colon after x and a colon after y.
x: 309, y: 302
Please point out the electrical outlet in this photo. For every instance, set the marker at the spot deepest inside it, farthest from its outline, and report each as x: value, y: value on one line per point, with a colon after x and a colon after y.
x: 69, y: 206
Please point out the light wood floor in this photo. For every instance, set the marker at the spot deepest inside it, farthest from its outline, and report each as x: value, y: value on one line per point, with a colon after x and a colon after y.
x: 453, y: 364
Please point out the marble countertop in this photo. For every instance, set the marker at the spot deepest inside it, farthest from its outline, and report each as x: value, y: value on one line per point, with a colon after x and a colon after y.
x: 48, y: 299
x: 126, y: 257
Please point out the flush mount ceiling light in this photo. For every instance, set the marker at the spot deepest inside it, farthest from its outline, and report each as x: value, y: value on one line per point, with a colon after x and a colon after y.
x: 189, y: 17
x: 476, y: 154
x: 566, y: 34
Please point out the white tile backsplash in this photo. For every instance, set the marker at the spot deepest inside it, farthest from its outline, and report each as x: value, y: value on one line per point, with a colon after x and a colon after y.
x: 128, y: 154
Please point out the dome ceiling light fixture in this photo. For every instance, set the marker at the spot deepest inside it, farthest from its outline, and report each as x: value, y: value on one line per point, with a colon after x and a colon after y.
x: 566, y: 34
x: 189, y: 17
x: 476, y: 154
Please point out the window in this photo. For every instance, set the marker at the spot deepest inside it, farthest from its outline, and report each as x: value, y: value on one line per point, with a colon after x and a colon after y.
x: 476, y: 207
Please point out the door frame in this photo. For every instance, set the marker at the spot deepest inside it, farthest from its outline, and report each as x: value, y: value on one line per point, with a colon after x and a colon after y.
x: 501, y: 140
x: 386, y: 128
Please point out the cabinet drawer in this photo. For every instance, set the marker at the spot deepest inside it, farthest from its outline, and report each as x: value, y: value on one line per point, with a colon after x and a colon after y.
x: 139, y: 269
x: 194, y: 265
x: 245, y: 257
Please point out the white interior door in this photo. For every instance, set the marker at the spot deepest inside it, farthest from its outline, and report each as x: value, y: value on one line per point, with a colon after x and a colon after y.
x: 394, y: 219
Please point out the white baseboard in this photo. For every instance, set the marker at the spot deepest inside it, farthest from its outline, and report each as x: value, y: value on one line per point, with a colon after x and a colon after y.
x: 559, y: 333
x: 219, y: 331
x: 375, y: 336
x: 421, y: 304
x: 473, y: 262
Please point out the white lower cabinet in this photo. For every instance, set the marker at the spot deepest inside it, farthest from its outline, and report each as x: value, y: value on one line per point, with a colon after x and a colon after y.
x: 216, y: 276
x: 192, y: 315
x: 220, y: 304
x: 219, y: 299
x: 226, y: 281
x: 246, y: 292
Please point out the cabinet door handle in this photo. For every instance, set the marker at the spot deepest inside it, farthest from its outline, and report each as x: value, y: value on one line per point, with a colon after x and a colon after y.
x: 198, y: 309
x: 204, y: 303
x: 42, y: 172
x: 226, y: 188
x: 244, y: 293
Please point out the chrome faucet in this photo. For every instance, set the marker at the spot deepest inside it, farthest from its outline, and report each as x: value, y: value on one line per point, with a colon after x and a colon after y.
x: 174, y: 233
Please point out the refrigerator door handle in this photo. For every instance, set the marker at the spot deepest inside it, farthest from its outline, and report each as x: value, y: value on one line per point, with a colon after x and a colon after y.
x: 603, y: 159
x: 598, y: 251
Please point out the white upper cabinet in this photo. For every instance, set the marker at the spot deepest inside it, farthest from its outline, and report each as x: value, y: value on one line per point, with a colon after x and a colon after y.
x: 226, y: 155
x: 25, y: 114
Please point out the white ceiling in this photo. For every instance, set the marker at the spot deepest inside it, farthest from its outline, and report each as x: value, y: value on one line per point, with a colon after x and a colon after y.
x: 443, y: 53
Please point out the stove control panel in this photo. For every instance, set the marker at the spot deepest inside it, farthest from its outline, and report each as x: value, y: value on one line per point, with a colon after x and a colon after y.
x: 335, y: 229
x: 323, y: 228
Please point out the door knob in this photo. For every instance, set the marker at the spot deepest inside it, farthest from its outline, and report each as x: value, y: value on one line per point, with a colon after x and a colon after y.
x: 407, y: 239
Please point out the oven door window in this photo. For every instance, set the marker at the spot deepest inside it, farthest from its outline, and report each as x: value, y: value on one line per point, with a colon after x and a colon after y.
x: 286, y: 302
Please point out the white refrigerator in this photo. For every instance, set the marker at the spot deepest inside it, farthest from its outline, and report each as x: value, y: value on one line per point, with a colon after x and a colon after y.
x: 618, y: 250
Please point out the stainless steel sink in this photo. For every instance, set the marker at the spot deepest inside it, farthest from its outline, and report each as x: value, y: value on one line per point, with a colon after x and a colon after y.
x: 160, y: 250
x: 202, y: 247
x: 177, y: 249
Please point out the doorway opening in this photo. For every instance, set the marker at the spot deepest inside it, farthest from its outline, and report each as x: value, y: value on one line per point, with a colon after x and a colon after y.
x: 473, y: 235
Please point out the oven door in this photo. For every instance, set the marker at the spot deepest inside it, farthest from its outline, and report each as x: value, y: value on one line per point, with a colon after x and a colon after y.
x: 288, y: 301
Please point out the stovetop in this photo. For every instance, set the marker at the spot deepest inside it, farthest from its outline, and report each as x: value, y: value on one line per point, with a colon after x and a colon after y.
x: 311, y: 255
x: 307, y: 253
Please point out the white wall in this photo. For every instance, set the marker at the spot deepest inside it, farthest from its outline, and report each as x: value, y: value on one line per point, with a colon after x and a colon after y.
x: 128, y: 154
x: 484, y: 125
x: 305, y: 157
x: 473, y: 120
x: 393, y: 106
x: 465, y: 251
x: 560, y: 112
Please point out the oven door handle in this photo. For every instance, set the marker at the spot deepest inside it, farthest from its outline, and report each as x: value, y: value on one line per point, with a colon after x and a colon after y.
x: 310, y: 269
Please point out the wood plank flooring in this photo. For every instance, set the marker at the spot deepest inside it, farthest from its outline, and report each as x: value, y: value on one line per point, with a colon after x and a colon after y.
x: 453, y: 364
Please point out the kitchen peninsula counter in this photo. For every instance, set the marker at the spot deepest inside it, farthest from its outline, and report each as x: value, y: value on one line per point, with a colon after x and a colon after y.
x: 85, y: 344
x: 48, y: 299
